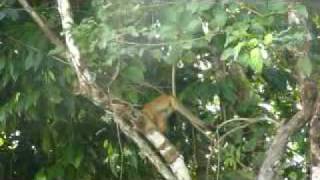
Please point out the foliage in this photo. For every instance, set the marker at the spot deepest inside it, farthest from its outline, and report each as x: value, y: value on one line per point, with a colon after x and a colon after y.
x: 233, y: 59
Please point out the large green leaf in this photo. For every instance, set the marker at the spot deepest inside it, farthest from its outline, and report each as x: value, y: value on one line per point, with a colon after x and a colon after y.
x: 256, y: 61
x: 267, y: 40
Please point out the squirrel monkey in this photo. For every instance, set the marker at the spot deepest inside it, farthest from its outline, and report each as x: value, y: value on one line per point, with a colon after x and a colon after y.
x: 163, y: 106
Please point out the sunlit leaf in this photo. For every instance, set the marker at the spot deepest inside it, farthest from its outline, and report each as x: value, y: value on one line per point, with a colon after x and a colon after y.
x: 1, y: 141
x: 41, y: 175
x: 267, y: 39
x: 237, y: 50
x: 256, y: 61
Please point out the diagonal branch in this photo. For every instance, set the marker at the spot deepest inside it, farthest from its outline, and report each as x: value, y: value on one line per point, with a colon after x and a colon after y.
x: 315, y: 143
x: 46, y: 30
x: 278, y: 145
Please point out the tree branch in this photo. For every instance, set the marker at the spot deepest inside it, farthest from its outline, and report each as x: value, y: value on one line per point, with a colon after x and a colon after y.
x: 278, y: 145
x: 315, y: 143
x: 47, y: 31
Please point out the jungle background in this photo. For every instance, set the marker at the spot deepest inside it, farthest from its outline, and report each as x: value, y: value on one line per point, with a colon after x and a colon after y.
x: 237, y: 65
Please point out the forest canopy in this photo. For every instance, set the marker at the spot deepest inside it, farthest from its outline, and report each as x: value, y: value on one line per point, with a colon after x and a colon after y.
x: 161, y: 89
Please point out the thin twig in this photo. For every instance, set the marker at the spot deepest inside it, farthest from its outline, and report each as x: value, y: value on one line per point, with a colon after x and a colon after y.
x: 249, y: 120
x: 113, y: 78
x: 115, y: 74
x: 173, y: 80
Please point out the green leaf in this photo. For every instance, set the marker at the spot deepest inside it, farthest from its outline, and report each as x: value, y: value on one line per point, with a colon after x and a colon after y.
x: 256, y: 61
x: 304, y: 66
x: 168, y: 31
x: 134, y: 73
x: 170, y: 15
x: 267, y: 40
x: 250, y: 145
x: 69, y: 154
x: 2, y: 14
x: 253, y: 43
x: 244, y: 59
x: 227, y: 53
x: 193, y: 25
x: 230, y: 39
x: 220, y: 17
x: 132, y: 96
x: 257, y: 28
x: 1, y: 141
x: 114, y: 161
x: 56, y: 51
x: 78, y: 158
x: 37, y: 60
x: 237, y: 50
x: 46, y: 141
x: 2, y: 63
x: 55, y: 171
x: 41, y: 175
x: 29, y: 62
x: 105, y: 143
x: 234, y: 7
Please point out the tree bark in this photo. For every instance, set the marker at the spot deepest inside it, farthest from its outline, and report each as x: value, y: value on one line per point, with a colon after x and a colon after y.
x: 315, y: 143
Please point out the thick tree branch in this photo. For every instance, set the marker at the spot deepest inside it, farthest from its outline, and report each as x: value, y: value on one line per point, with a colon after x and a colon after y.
x: 278, y: 145
x: 315, y: 143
